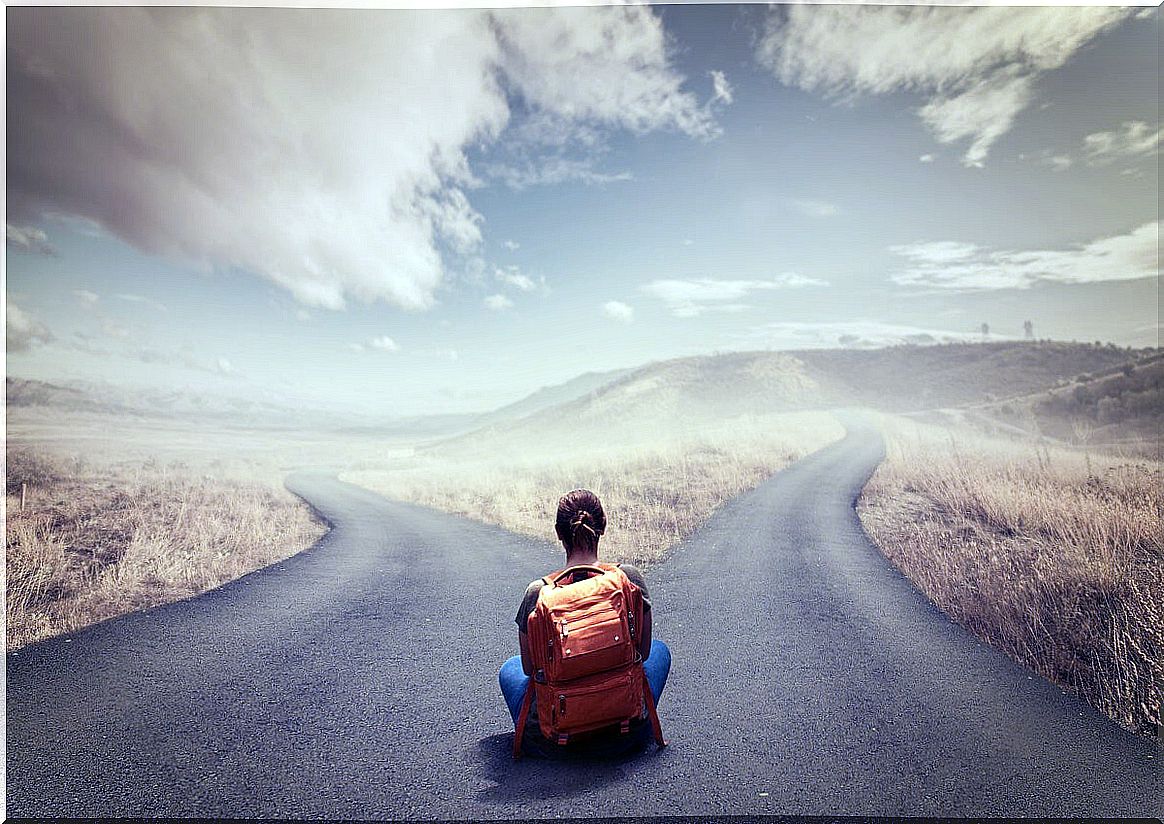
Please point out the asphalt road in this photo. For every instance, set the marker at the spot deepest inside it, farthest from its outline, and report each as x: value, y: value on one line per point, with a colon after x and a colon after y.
x: 358, y: 679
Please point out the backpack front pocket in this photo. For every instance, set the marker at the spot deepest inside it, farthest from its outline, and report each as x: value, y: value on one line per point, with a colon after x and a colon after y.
x: 601, y: 643
x: 590, y: 703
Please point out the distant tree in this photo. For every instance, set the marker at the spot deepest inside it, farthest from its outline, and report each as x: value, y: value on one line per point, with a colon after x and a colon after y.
x: 1028, y: 330
x: 1108, y: 410
x: 1128, y: 369
x: 986, y: 330
x: 1082, y: 429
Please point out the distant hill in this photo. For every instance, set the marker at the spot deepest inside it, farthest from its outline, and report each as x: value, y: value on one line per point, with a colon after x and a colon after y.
x: 680, y: 395
x: 1104, y: 406
x: 92, y: 398
x: 1039, y: 378
x: 911, y: 378
x: 550, y: 396
x: 22, y: 393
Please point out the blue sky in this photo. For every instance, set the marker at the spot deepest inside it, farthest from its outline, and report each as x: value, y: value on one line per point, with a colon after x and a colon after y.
x: 446, y: 210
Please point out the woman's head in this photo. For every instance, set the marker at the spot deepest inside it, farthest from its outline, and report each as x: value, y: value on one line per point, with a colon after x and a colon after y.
x: 580, y: 521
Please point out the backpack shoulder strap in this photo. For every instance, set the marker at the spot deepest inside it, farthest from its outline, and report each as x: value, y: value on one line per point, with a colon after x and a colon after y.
x: 615, y: 568
x: 548, y: 580
x: 522, y: 717
x: 649, y: 698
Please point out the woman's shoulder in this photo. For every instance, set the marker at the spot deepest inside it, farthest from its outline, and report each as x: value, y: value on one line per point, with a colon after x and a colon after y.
x: 631, y: 571
x: 636, y: 577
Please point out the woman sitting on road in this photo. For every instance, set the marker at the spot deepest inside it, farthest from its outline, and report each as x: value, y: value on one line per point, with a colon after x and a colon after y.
x: 580, y: 522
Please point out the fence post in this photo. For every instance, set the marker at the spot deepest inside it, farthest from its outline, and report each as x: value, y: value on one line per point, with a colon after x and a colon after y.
x: 23, y: 492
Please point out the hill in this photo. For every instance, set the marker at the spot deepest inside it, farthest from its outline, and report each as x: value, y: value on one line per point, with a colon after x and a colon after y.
x: 98, y: 399
x: 914, y: 378
x: 1107, y: 406
x: 91, y: 398
x: 681, y: 396
x: 549, y: 396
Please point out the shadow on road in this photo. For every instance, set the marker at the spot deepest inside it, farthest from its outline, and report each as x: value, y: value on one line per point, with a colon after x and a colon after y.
x: 542, y: 778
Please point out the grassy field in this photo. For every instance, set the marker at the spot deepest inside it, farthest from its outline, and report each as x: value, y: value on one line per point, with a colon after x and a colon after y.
x: 98, y: 540
x: 1054, y: 555
x: 655, y: 492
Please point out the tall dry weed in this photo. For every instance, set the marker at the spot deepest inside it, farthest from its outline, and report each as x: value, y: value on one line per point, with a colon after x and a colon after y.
x: 1055, y: 556
x: 89, y: 547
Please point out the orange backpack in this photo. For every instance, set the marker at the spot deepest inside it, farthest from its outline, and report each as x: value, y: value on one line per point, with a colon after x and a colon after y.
x: 584, y: 642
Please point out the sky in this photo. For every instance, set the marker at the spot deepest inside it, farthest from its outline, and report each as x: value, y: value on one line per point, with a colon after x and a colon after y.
x: 433, y: 211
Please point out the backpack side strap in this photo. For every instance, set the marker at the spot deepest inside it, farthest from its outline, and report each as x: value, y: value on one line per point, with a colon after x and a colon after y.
x: 652, y: 712
x: 522, y: 717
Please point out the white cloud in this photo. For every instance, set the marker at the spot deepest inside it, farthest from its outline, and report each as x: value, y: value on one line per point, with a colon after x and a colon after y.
x: 617, y: 310
x: 1135, y: 139
x: 512, y: 276
x: 976, y: 66
x: 926, y: 158
x: 938, y: 252
x: 951, y: 265
x: 498, y: 302
x: 381, y: 343
x: 27, y: 239
x: 853, y: 334
x: 131, y: 298
x: 86, y: 297
x: 574, y: 65
x: 815, y: 208
x: 202, y: 134
x: 451, y: 355
x: 693, y: 297
x: 551, y: 171
x: 1058, y: 162
x: 511, y: 245
x: 982, y: 113
x: 21, y: 331
x: 112, y: 329
x: 180, y: 358
x: 688, y: 241
x: 722, y: 90
x: 302, y: 315
x: 791, y: 280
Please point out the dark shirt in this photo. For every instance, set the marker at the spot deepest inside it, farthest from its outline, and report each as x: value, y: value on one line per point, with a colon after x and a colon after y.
x: 597, y: 746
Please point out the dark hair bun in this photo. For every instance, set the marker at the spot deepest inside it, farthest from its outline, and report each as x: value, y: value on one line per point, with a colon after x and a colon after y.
x: 580, y: 514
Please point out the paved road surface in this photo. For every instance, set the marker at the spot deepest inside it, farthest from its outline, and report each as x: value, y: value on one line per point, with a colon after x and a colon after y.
x: 358, y: 679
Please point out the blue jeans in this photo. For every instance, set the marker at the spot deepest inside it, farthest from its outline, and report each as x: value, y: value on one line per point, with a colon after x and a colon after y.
x: 514, y: 681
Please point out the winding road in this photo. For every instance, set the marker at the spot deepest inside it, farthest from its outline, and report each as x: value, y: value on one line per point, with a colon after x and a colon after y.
x: 357, y: 679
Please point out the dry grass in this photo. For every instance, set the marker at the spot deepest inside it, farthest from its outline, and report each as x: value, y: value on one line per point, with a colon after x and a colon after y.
x: 1055, y: 556
x: 654, y: 495
x: 91, y: 545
